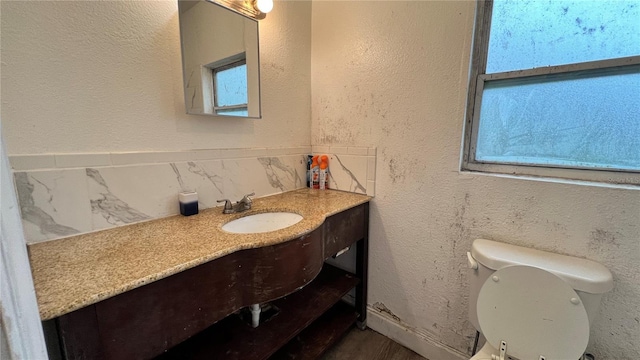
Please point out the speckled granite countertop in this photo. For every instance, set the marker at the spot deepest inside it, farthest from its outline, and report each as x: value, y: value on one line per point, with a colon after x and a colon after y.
x: 81, y: 270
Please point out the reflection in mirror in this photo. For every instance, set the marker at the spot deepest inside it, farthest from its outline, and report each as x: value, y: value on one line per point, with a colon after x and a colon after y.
x: 220, y: 60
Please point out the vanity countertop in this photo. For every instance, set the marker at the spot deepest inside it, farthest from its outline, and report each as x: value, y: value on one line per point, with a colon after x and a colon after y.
x: 81, y: 270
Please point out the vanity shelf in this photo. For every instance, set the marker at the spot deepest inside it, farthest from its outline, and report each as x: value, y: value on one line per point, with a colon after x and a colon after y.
x: 233, y: 338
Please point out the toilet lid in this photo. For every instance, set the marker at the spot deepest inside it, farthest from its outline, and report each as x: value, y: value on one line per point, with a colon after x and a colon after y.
x: 535, y: 312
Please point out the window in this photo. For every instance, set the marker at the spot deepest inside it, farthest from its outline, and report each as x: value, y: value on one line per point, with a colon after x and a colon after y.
x: 555, y: 90
x: 230, y: 89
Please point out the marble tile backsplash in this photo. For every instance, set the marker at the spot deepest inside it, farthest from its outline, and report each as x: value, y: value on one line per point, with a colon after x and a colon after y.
x: 352, y: 168
x: 68, y: 194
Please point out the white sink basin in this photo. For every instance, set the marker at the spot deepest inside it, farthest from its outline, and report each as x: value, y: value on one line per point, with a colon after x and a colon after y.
x: 261, y: 223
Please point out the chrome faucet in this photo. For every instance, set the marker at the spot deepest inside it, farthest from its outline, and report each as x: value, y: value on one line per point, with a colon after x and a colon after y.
x: 240, y: 206
x: 245, y: 203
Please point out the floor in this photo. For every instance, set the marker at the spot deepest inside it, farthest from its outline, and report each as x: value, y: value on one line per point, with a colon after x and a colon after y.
x: 369, y: 345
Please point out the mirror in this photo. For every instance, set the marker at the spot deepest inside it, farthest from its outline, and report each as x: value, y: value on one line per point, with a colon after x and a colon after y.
x: 220, y: 60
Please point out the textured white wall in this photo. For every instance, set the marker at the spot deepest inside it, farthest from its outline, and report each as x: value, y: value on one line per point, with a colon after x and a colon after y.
x: 87, y: 76
x: 394, y: 74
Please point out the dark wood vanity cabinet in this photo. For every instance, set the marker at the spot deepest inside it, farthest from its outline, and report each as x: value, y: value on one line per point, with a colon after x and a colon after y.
x: 189, y: 315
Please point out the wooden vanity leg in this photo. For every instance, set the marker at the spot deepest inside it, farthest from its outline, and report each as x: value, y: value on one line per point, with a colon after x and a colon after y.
x: 79, y: 335
x: 362, y: 266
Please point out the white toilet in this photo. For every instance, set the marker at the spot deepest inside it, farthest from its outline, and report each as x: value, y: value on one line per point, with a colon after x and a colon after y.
x: 531, y: 304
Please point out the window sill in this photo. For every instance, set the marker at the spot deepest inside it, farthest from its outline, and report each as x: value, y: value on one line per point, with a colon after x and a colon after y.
x: 632, y: 183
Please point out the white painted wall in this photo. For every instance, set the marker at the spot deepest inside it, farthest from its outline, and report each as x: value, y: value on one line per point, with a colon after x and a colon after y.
x: 394, y: 74
x: 86, y: 76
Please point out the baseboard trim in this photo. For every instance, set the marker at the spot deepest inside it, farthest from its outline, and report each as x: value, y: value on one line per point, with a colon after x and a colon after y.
x: 421, y: 342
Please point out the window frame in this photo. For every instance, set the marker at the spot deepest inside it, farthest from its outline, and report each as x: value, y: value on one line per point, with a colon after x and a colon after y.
x: 477, y: 79
x: 219, y: 110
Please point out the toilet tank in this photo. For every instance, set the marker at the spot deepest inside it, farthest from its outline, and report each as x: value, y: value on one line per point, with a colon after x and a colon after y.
x: 588, y: 278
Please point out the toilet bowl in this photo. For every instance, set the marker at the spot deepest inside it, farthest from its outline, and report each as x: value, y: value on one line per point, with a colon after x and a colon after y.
x: 531, y: 304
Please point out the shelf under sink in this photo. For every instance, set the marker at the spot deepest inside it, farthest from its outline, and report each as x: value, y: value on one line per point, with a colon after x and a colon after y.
x: 300, y: 319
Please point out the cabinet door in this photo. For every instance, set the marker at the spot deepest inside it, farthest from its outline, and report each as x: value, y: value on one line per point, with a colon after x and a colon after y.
x: 343, y: 229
